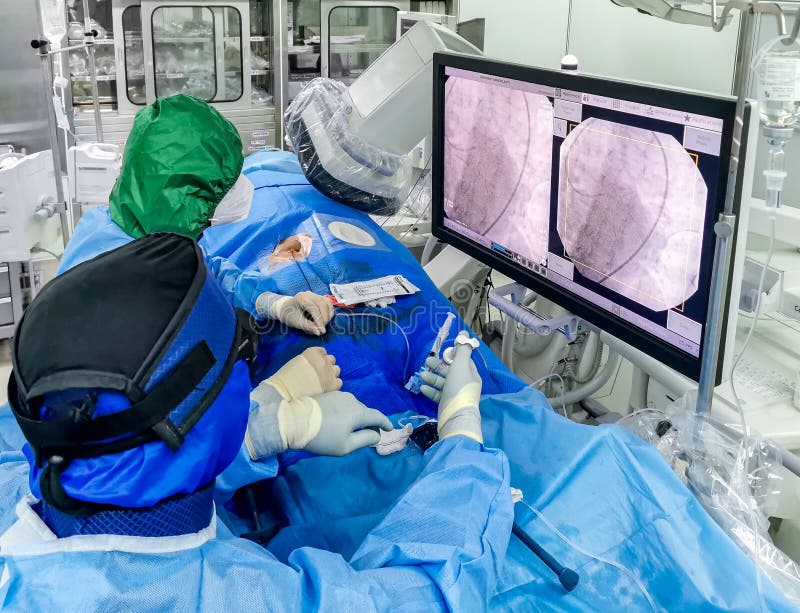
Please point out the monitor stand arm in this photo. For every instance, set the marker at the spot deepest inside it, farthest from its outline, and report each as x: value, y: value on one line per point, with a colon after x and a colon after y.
x: 507, y: 299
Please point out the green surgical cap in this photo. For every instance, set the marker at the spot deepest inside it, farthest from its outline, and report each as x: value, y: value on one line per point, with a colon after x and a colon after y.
x: 180, y: 159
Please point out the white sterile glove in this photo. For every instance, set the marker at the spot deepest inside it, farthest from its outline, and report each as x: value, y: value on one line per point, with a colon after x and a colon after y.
x: 304, y: 311
x: 457, y: 389
x: 312, y: 372
x: 332, y: 424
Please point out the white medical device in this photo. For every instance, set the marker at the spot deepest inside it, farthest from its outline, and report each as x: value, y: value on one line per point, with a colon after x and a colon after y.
x: 93, y: 169
x: 405, y: 21
x: 28, y: 200
x: 391, y: 101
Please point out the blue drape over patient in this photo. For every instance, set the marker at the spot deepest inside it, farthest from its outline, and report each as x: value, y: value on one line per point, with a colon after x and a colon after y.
x: 609, y: 493
x: 375, y: 360
x: 376, y: 356
x: 376, y: 363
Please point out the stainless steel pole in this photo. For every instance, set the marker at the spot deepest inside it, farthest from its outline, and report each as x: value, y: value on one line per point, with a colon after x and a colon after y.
x: 89, y: 39
x: 727, y: 222
x: 279, y: 64
x: 43, y: 50
x: 47, y: 80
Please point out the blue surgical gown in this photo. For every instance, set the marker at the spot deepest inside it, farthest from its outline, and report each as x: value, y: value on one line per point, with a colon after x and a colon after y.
x: 96, y: 233
x: 436, y: 549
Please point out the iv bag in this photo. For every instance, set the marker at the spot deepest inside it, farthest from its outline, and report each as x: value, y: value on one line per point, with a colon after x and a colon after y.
x: 777, y: 69
x: 54, y: 22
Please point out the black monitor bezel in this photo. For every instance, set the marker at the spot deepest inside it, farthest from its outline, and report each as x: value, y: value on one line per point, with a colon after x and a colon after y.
x: 702, y: 104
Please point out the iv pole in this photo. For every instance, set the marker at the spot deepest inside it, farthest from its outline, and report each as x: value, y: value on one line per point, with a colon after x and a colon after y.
x: 89, y: 38
x: 724, y: 228
x: 45, y: 52
x: 42, y: 47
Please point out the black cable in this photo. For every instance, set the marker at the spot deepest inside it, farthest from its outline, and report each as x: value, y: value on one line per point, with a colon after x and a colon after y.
x: 251, y: 502
x: 569, y: 29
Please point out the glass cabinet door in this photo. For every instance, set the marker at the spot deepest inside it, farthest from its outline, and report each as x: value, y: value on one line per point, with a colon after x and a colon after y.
x: 358, y: 35
x: 229, y: 88
x: 197, y: 50
x: 304, y: 44
x: 105, y: 64
x: 134, y: 54
x: 261, y: 60
x: 183, y: 52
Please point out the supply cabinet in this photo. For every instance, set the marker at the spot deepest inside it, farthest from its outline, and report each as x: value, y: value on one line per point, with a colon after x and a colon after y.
x: 248, y: 58
x: 226, y: 52
x: 10, y: 297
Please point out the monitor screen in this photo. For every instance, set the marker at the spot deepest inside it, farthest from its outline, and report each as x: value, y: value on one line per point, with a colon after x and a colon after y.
x: 599, y: 195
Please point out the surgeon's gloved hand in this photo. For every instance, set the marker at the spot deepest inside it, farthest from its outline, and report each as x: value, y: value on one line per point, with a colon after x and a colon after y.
x: 304, y: 311
x: 346, y: 425
x: 457, y: 389
x: 312, y: 372
x: 333, y: 424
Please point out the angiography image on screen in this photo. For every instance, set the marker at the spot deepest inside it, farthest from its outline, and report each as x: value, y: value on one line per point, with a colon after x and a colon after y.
x: 598, y: 195
x: 497, y: 163
x: 631, y: 209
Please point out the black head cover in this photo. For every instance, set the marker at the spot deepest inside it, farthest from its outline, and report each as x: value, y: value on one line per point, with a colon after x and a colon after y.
x: 106, y: 322
x: 144, y: 320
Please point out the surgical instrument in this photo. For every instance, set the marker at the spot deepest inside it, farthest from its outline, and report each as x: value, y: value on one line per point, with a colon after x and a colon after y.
x: 566, y: 576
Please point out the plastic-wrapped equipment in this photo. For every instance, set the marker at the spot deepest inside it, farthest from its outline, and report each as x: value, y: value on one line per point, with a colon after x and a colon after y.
x: 736, y: 480
x: 335, y: 160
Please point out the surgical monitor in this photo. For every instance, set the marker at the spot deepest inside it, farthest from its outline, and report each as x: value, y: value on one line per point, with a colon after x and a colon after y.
x: 599, y: 195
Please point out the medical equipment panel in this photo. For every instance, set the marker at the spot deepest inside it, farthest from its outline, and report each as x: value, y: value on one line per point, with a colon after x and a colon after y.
x: 27, y: 205
x: 600, y: 195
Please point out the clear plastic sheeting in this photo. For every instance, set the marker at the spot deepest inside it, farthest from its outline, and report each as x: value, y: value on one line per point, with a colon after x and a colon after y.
x: 736, y: 479
x: 336, y: 160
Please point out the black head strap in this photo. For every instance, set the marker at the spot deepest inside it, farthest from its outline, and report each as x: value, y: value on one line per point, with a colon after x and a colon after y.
x: 75, y: 437
x: 243, y: 348
x: 248, y: 336
x: 53, y: 493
